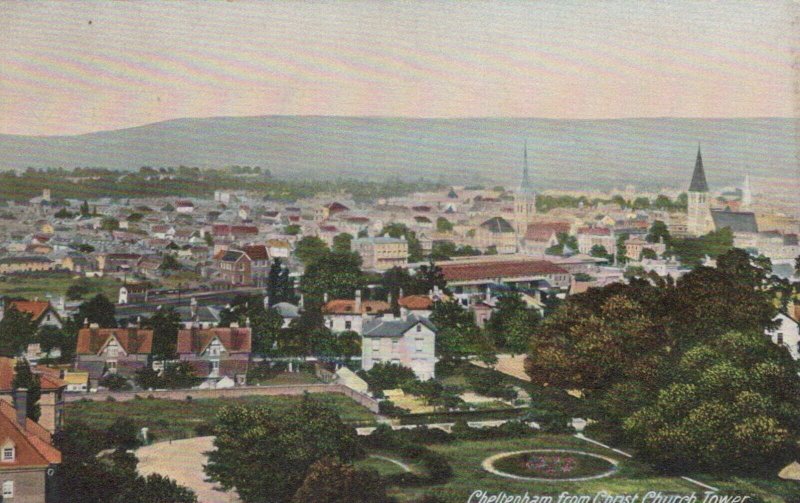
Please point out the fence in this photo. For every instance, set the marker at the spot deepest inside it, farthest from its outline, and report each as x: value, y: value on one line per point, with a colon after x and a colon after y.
x: 200, y: 394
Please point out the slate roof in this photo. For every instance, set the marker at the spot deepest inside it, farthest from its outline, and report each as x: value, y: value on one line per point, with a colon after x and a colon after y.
x: 287, y: 310
x: 257, y: 252
x: 497, y: 225
x: 699, y: 175
x: 736, y: 221
x: 379, y: 327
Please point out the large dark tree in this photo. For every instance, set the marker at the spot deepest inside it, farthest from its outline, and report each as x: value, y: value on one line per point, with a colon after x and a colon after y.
x: 98, y: 310
x: 310, y: 249
x: 512, y: 324
x: 732, y: 408
x: 16, y: 332
x: 337, y: 274
x: 331, y: 481
x: 280, y: 287
x: 24, y: 378
x: 283, y: 444
x: 165, y: 324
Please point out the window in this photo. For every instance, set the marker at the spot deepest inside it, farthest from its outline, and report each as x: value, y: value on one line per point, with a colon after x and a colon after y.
x: 780, y: 338
x: 418, y: 342
x: 8, y: 453
x: 376, y: 344
x: 348, y: 325
x: 394, y: 345
x: 419, y: 327
x: 8, y: 489
x: 215, y: 366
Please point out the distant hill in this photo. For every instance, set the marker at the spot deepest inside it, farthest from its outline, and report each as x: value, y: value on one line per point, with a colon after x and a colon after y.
x: 567, y: 154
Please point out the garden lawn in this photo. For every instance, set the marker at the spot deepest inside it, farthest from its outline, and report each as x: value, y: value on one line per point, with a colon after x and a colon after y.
x: 466, y: 457
x: 176, y: 419
x: 55, y: 285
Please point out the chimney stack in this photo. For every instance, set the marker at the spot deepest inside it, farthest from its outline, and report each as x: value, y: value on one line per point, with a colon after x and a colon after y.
x: 21, y: 405
x: 325, y: 297
x: 358, y: 301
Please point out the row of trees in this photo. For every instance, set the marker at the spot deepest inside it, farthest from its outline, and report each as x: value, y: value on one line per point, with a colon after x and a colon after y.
x: 680, y: 370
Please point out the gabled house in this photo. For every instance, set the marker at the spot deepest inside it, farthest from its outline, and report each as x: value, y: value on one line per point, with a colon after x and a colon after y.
x: 28, y: 459
x: 409, y: 341
x: 786, y: 334
x: 216, y: 353
x: 234, y: 267
x: 41, y: 311
x: 122, y: 351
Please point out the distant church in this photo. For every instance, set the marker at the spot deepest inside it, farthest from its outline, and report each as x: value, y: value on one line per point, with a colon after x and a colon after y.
x: 524, y: 200
x: 701, y: 219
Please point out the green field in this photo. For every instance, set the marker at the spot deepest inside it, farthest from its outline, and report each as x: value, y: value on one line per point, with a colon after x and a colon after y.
x: 465, y: 457
x: 56, y: 285
x: 175, y: 419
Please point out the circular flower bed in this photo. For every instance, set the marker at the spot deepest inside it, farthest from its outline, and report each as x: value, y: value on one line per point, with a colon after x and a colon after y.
x: 550, y: 465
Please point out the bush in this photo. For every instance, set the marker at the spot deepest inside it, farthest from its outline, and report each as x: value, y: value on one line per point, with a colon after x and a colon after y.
x: 387, y: 408
x: 489, y: 383
x: 115, y: 382
x: 204, y: 429
x: 553, y: 421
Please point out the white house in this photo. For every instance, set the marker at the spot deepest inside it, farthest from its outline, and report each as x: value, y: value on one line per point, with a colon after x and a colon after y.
x: 408, y: 341
x: 786, y: 334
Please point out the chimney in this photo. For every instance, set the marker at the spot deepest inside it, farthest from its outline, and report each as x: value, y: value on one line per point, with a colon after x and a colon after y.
x: 301, y: 302
x: 86, y: 323
x: 325, y: 297
x: 358, y: 301
x: 400, y: 294
x: 266, y: 302
x: 389, y: 299
x: 21, y: 405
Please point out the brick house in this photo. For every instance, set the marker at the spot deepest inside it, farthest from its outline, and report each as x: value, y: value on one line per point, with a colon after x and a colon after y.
x: 28, y: 460
x: 102, y: 351
x: 216, y: 353
x: 234, y: 267
x: 51, y: 401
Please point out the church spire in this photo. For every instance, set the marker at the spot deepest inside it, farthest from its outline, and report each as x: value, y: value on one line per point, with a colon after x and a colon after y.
x: 699, y: 176
x: 525, y: 185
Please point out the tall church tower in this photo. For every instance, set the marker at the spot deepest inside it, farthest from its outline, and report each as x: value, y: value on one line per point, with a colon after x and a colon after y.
x: 747, y: 193
x: 699, y: 220
x: 524, y: 200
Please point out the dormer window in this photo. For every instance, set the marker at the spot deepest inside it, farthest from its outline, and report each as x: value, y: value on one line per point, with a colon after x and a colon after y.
x: 9, y: 452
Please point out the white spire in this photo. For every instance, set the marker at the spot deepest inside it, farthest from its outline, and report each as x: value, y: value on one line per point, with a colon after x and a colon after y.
x: 747, y: 194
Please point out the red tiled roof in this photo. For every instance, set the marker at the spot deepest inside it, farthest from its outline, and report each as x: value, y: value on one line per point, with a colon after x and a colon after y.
x: 132, y: 340
x: 337, y: 207
x: 543, y: 231
x: 33, y: 447
x: 595, y: 231
x: 418, y: 302
x: 256, y: 252
x: 346, y: 306
x: 36, y: 308
x: 240, y: 230
x: 235, y: 340
x: 492, y: 270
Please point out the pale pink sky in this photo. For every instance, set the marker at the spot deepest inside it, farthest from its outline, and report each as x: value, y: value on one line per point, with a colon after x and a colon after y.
x: 68, y: 68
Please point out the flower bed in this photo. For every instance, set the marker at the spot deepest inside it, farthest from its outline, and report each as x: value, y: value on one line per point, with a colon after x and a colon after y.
x: 546, y: 464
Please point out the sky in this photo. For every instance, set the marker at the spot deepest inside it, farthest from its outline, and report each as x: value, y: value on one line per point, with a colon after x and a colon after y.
x: 77, y: 67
